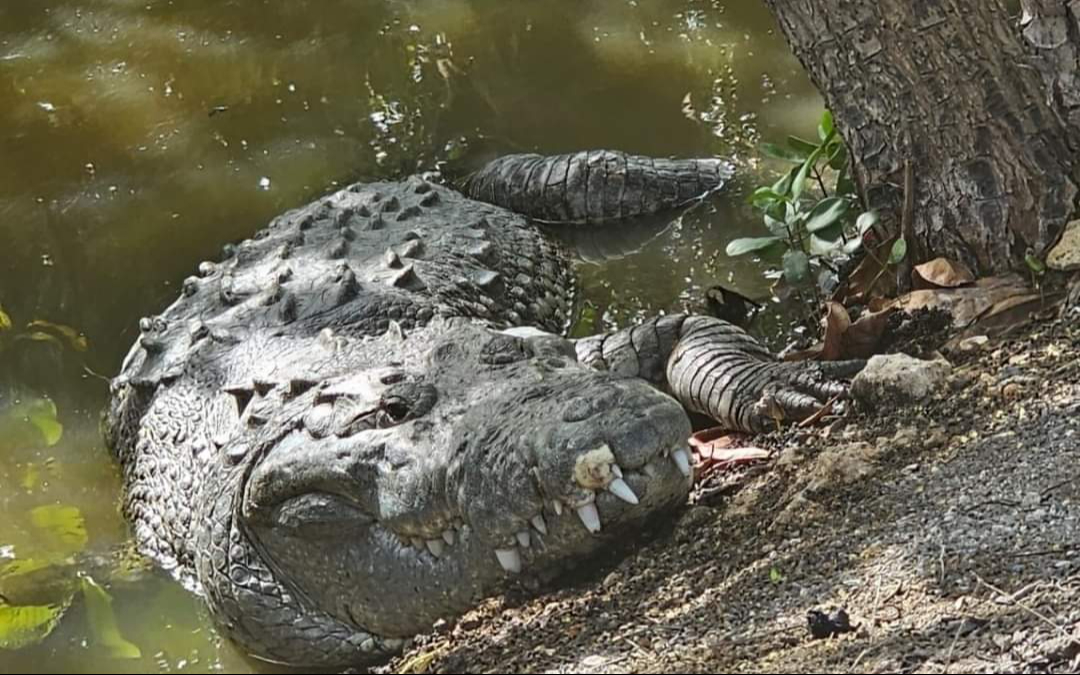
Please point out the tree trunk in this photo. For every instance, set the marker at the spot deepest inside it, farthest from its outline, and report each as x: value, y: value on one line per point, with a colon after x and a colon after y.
x: 945, y: 96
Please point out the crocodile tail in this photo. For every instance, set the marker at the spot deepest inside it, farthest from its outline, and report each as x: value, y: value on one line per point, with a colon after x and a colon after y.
x: 595, y: 186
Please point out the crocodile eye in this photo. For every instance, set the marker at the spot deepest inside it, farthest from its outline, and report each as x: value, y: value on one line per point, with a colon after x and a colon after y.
x: 396, y: 409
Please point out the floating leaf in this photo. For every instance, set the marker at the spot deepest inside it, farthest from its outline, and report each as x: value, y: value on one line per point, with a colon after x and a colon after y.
x: 24, y: 625
x: 65, y: 527
x: 796, y: 266
x: 825, y: 128
x: 780, y: 152
x: 826, y: 213
x: 21, y: 567
x: 748, y: 244
x: 899, y: 250
x: 5, y: 320
x: 75, y: 340
x: 42, y: 414
x: 29, y: 423
x: 103, y: 621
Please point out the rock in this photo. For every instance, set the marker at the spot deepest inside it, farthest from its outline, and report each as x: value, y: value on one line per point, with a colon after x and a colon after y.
x: 1065, y: 256
x: 894, y: 380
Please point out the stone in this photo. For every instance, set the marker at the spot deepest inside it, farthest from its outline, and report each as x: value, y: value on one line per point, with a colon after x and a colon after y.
x: 891, y: 381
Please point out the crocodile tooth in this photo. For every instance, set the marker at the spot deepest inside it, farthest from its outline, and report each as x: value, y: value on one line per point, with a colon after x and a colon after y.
x: 435, y: 546
x: 510, y: 559
x: 448, y: 537
x: 650, y: 470
x: 557, y: 505
x: 682, y: 460
x: 524, y: 539
x: 590, y: 517
x: 620, y: 489
x: 417, y: 543
x: 539, y: 524
x: 616, y: 470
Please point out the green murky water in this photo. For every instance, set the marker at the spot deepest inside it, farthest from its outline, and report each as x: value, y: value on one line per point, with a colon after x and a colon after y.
x: 137, y: 137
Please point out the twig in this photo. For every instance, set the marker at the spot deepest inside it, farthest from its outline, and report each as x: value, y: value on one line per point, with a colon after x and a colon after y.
x: 1055, y: 486
x: 821, y: 183
x: 823, y: 411
x: 992, y: 502
x: 1035, y: 613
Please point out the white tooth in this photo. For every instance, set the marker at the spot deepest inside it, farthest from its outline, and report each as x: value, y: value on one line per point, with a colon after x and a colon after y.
x: 616, y: 470
x: 620, y: 489
x: 557, y: 505
x: 435, y: 546
x: 590, y: 517
x: 650, y: 470
x: 523, y: 538
x: 417, y: 543
x: 682, y: 460
x: 539, y: 524
x: 448, y: 537
x: 510, y: 559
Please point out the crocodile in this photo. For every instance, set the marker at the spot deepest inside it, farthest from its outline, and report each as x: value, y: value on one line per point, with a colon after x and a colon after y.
x: 367, y: 417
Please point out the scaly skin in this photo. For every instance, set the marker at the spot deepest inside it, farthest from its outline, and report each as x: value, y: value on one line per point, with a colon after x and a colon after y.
x: 364, y: 419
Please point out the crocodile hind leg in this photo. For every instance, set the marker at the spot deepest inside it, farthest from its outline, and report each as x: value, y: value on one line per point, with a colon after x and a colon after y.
x: 719, y: 370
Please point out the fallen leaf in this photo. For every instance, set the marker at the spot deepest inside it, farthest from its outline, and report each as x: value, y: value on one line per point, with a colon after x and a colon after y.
x: 103, y: 621
x: 836, y: 323
x: 24, y: 625
x: 942, y: 273
x: 862, y: 338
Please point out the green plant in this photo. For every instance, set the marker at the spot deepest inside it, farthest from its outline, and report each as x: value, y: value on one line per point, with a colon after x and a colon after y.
x: 807, y: 221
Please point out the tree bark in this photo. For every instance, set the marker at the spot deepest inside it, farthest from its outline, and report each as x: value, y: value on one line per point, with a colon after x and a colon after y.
x: 950, y: 89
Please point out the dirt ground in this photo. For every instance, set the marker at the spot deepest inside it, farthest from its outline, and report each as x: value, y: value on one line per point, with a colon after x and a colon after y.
x: 950, y: 533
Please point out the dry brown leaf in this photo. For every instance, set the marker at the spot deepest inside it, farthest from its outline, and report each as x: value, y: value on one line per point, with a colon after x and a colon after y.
x: 836, y: 322
x: 966, y: 304
x: 868, y: 281
x: 863, y: 337
x: 941, y: 273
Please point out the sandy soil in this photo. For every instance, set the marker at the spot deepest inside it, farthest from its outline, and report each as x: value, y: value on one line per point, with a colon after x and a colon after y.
x: 950, y: 533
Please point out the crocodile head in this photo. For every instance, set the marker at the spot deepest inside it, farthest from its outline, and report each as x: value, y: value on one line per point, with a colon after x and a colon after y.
x: 388, y: 497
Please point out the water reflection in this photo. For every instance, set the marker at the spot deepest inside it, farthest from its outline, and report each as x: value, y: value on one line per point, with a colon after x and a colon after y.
x: 139, y: 137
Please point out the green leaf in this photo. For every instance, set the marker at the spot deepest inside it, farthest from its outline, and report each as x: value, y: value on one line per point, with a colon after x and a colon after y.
x: 804, y: 172
x: 103, y: 621
x: 775, y: 576
x: 783, y: 186
x: 899, y: 250
x: 866, y: 220
x: 5, y: 320
x: 837, y: 156
x: 823, y: 246
x: 29, y: 423
x: 749, y: 244
x: 764, y: 197
x: 780, y: 152
x: 853, y: 244
x: 825, y: 128
x: 796, y: 267
x: 24, y: 625
x: 64, y: 526
x: 803, y: 146
x: 826, y: 213
x: 777, y: 227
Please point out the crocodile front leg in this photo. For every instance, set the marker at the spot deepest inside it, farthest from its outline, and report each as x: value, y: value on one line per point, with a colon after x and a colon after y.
x: 719, y: 370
